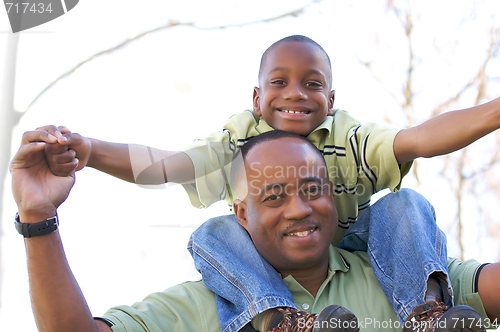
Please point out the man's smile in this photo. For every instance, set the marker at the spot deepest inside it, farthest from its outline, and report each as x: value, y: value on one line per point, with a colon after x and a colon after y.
x: 301, y: 229
x: 302, y: 233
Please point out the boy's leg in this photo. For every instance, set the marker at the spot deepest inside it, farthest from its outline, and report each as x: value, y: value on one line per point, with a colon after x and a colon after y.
x: 405, y: 247
x: 245, y: 284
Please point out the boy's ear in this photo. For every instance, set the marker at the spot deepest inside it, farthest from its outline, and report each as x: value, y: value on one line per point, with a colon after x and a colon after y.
x: 331, y: 99
x: 240, y: 210
x: 256, y: 102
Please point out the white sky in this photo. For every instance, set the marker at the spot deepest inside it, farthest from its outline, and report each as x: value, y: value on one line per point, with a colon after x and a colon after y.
x: 178, y: 84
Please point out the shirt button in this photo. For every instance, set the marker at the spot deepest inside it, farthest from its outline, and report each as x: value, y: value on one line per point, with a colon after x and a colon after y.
x: 305, y: 306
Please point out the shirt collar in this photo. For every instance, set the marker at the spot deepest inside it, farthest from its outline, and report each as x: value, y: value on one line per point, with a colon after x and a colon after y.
x: 327, y: 124
x: 262, y: 126
x: 336, y: 262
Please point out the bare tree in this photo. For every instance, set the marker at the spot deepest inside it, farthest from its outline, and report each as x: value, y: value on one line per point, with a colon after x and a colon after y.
x: 461, y: 181
x: 9, y: 117
x: 462, y: 175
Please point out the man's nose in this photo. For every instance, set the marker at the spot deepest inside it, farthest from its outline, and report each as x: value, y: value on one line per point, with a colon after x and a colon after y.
x: 298, y: 208
x: 295, y: 92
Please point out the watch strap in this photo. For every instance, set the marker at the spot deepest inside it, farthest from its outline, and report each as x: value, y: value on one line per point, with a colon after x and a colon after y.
x: 40, y: 228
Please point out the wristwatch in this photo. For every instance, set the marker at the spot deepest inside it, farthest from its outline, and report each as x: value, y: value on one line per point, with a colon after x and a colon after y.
x: 40, y: 228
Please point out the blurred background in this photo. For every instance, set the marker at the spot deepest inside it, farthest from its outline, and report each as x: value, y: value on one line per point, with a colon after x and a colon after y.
x: 395, y: 62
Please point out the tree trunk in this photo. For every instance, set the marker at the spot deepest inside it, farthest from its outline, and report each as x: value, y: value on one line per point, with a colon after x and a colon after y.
x: 9, y: 118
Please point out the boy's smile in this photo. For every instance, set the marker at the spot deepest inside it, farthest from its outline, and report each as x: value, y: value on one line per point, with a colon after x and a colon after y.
x: 294, y: 93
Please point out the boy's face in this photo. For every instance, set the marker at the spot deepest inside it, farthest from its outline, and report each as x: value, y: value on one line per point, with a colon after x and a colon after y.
x: 294, y: 93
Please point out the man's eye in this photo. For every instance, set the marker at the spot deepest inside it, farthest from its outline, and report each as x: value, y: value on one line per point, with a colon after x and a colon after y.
x: 314, y: 191
x: 271, y: 198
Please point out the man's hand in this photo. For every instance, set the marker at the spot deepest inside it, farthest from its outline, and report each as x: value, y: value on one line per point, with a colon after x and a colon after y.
x: 36, y: 190
x: 60, y: 155
x: 60, y: 306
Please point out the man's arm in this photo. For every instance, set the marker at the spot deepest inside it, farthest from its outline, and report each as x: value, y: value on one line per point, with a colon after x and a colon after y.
x: 489, y: 290
x: 57, y: 301
x: 447, y: 132
x: 130, y: 162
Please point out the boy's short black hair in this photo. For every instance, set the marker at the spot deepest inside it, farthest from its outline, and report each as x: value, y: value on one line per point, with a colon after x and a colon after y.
x: 293, y: 38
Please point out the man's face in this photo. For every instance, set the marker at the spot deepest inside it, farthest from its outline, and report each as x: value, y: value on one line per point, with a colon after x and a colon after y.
x: 294, y: 93
x: 289, y: 211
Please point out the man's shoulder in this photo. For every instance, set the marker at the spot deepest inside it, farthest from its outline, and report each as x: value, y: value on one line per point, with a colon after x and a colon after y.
x: 192, y: 293
x: 194, y: 288
x: 189, y: 306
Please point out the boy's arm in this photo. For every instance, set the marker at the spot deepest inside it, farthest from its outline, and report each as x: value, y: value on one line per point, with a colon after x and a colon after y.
x: 489, y: 291
x: 447, y: 132
x: 132, y: 163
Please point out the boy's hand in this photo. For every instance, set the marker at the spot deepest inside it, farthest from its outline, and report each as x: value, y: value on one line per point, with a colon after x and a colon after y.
x: 62, y: 154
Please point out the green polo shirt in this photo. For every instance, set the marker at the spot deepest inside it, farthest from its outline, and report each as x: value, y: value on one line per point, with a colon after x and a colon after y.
x: 350, y: 283
x: 360, y: 160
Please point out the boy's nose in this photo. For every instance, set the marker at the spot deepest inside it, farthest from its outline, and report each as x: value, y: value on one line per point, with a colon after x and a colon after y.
x: 295, y: 92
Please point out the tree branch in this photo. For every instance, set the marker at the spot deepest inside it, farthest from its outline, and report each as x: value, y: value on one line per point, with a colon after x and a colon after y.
x: 380, y: 80
x: 480, y: 79
x: 170, y: 24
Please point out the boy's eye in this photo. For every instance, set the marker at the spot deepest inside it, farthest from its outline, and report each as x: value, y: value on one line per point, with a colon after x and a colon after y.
x: 314, y: 84
x: 279, y: 82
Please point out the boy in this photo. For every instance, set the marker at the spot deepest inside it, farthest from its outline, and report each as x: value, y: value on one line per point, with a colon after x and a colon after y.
x: 295, y: 94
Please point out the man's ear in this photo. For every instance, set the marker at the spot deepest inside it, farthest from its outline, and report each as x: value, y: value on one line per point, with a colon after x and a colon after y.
x: 331, y: 99
x: 331, y: 191
x: 240, y: 210
x: 256, y: 102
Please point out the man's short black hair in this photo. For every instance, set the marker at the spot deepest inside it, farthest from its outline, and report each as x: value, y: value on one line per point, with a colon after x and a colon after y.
x: 274, y: 135
x: 298, y: 39
x: 238, y: 163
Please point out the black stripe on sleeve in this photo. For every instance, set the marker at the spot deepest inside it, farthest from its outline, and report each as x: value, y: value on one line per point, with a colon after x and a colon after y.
x: 353, y: 140
x: 476, y: 278
x: 105, y: 320
x: 366, y: 168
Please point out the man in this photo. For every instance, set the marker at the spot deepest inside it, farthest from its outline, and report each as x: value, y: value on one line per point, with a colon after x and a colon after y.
x: 289, y: 215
